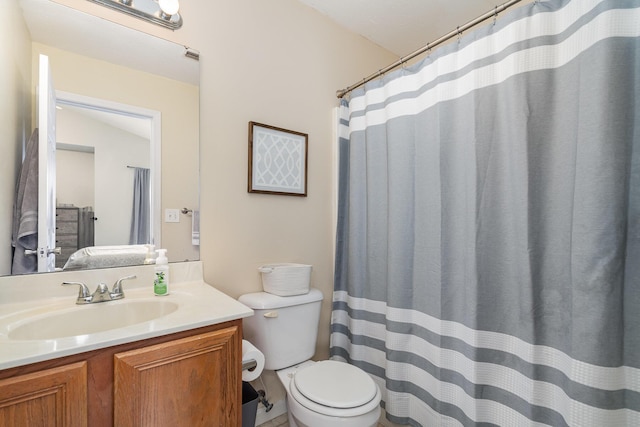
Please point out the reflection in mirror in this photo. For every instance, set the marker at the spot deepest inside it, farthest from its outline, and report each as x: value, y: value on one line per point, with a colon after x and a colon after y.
x: 111, y: 82
x: 109, y: 150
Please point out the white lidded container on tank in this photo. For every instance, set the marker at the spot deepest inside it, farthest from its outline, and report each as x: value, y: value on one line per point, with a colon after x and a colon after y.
x: 284, y: 329
x: 286, y: 279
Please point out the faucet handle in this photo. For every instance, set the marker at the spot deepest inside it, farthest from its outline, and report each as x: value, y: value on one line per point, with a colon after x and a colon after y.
x: 84, y: 295
x: 118, y: 292
x: 101, y: 294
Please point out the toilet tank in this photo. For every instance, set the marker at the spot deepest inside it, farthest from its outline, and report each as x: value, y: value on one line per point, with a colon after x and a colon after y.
x: 285, y: 329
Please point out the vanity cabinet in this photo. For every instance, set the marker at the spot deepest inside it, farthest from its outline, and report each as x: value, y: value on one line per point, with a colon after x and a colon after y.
x: 190, y: 378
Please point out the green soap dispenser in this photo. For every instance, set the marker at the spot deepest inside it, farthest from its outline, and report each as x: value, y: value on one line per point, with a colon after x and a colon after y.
x: 161, y: 274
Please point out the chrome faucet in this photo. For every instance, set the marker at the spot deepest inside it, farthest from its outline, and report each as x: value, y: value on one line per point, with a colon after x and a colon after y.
x: 101, y: 293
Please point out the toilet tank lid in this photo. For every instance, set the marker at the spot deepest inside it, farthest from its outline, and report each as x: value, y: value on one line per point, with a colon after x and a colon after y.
x: 267, y: 301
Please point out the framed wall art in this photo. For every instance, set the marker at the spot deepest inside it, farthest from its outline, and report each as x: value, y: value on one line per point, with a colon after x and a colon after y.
x: 277, y: 160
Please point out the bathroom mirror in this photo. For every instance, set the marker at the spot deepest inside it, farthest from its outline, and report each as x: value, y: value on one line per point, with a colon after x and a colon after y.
x: 127, y: 100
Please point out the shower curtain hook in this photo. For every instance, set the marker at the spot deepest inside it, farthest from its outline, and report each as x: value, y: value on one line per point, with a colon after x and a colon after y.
x: 495, y: 15
x: 459, y: 33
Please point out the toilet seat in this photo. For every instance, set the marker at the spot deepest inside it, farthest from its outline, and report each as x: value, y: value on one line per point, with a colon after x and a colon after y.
x: 335, y: 388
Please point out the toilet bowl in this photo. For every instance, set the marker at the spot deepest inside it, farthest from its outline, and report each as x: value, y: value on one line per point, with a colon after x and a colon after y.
x: 330, y: 393
x: 319, y: 394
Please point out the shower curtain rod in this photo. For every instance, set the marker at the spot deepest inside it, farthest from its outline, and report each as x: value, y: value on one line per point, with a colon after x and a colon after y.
x: 403, y: 60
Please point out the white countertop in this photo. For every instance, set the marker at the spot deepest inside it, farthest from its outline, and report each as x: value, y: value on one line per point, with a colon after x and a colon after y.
x: 198, y: 305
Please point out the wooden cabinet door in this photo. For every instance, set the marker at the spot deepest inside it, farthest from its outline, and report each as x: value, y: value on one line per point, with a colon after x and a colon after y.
x: 189, y: 382
x: 52, y: 397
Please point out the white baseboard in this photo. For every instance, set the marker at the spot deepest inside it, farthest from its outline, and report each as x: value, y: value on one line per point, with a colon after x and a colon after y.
x: 279, y: 408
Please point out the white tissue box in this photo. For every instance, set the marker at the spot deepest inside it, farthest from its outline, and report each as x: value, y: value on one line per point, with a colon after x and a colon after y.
x: 286, y: 279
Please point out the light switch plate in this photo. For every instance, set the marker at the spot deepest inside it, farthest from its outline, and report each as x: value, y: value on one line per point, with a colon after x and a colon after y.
x: 172, y: 215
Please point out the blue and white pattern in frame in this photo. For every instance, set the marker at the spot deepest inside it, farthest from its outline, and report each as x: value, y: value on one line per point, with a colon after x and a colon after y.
x: 279, y: 161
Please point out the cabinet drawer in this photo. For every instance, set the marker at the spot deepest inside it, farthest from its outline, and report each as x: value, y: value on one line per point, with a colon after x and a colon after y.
x: 67, y: 214
x: 70, y: 240
x: 67, y: 228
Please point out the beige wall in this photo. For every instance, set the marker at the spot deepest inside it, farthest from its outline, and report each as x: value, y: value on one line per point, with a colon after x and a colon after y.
x: 15, y: 124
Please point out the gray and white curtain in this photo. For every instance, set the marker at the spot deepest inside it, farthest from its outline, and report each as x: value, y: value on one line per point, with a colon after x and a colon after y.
x: 140, y: 232
x: 488, y: 244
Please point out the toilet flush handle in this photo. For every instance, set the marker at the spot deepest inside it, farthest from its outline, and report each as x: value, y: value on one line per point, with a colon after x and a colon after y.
x: 271, y: 314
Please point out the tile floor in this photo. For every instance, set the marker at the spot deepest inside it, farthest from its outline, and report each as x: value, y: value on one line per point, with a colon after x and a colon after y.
x: 282, y: 421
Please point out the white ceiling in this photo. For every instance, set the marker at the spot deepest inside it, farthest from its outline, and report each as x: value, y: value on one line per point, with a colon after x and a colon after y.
x: 402, y: 26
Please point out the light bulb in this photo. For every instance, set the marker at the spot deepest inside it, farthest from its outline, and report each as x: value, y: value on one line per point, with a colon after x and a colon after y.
x: 169, y: 7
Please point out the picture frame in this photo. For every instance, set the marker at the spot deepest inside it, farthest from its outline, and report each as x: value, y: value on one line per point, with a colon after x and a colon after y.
x: 277, y: 160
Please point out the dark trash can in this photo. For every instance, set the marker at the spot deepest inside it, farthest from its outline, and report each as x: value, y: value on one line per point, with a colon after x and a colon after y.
x: 249, y: 405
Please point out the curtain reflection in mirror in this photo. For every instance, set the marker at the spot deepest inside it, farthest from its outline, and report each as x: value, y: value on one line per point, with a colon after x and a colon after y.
x: 86, y: 227
x: 140, y: 227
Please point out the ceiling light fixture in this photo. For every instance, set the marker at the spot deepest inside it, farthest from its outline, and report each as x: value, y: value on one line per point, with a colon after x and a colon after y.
x: 160, y: 12
x: 169, y: 7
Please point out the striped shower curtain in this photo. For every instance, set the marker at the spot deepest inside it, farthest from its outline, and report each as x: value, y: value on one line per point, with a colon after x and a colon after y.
x: 140, y: 231
x: 488, y: 244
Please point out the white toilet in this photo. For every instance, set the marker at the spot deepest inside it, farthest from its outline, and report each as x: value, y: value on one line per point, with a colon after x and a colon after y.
x: 319, y: 394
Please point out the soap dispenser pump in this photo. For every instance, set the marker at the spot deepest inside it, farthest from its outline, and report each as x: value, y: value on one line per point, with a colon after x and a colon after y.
x: 151, y: 253
x: 161, y: 274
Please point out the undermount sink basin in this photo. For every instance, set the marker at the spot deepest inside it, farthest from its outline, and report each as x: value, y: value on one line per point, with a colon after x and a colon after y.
x: 90, y: 319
